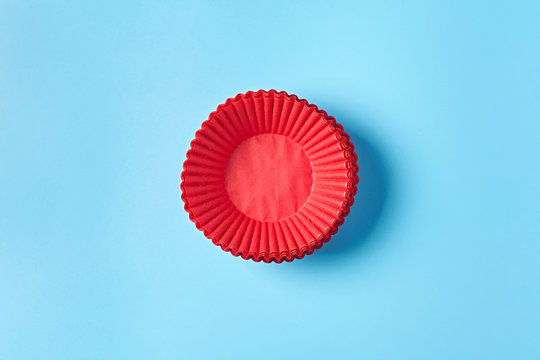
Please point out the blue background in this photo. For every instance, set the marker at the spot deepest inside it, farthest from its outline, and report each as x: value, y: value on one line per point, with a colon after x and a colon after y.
x: 438, y: 259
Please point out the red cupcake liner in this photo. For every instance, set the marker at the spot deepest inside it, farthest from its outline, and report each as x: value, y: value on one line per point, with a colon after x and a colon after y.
x: 269, y: 177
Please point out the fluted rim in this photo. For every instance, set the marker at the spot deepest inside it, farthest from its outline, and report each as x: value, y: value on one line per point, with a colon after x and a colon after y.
x: 325, y: 236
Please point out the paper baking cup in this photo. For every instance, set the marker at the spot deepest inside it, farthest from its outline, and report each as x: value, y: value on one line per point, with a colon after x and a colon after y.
x: 269, y: 176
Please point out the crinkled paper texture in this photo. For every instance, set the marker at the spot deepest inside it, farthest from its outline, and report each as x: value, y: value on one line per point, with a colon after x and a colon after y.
x: 269, y: 177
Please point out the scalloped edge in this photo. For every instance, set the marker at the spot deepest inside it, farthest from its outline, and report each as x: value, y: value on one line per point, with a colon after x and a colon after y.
x: 352, y: 164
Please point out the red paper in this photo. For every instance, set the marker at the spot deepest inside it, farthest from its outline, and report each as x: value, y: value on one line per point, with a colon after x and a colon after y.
x: 269, y: 177
x: 275, y: 192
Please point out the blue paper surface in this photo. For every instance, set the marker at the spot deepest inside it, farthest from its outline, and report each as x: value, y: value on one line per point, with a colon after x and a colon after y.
x: 438, y: 259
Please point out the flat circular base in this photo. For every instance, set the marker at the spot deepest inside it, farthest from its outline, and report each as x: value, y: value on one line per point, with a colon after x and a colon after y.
x: 268, y: 177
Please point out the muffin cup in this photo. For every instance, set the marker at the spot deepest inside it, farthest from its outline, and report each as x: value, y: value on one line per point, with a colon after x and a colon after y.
x: 269, y: 177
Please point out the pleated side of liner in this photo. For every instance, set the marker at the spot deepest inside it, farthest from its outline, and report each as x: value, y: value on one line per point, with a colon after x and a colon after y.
x: 286, y: 240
